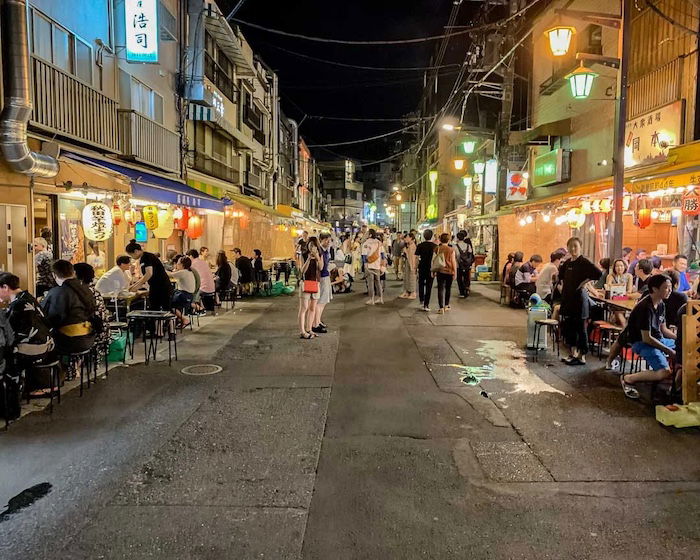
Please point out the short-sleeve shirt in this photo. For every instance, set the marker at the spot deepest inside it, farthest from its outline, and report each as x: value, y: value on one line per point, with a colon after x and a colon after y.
x: 159, y: 279
x: 524, y: 274
x: 575, y: 272
x: 673, y: 304
x: 424, y: 251
x: 684, y: 285
x: 645, y: 317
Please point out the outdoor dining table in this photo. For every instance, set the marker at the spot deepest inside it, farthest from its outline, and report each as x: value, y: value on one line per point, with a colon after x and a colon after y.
x: 626, y: 304
x: 153, y: 322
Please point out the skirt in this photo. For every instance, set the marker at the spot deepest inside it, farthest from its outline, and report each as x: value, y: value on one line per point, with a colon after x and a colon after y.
x: 409, y: 281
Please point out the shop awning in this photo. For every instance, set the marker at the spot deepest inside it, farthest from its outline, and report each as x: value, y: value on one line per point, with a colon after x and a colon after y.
x: 541, y: 132
x: 290, y: 211
x: 155, y: 187
x: 255, y: 204
x: 209, y: 114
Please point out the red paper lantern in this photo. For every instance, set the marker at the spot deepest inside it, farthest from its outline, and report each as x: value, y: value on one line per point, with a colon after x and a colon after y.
x: 117, y: 214
x: 195, y: 227
x: 644, y: 218
x: 182, y: 216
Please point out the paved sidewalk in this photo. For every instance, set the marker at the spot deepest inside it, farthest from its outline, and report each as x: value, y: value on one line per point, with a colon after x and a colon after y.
x: 364, y: 443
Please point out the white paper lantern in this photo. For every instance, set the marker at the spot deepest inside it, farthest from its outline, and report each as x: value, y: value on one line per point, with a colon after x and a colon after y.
x: 97, y: 221
x: 166, y: 224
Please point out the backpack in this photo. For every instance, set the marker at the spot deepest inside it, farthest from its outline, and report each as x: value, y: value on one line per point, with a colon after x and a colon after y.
x: 438, y: 262
x: 465, y: 259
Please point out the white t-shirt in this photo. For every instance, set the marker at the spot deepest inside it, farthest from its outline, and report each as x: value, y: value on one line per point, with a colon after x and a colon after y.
x: 373, y: 246
x: 544, y: 280
x: 112, y: 281
x: 185, y: 280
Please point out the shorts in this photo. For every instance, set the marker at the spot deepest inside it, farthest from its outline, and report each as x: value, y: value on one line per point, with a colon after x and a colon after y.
x: 307, y: 295
x: 325, y: 292
x: 654, y: 357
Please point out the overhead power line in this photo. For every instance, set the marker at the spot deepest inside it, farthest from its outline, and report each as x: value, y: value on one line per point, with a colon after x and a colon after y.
x: 354, y: 84
x: 669, y: 19
x: 361, y: 119
x: 363, y: 139
x: 359, y: 67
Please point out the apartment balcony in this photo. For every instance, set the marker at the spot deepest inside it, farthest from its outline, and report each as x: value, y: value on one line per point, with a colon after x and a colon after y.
x: 147, y: 141
x: 66, y: 106
x: 207, y: 164
x: 253, y: 181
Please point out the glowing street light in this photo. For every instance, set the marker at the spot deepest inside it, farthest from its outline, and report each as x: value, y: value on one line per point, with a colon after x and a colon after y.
x: 398, y: 196
x: 560, y: 39
x: 469, y: 146
x: 581, y: 82
x: 395, y: 188
x: 459, y: 164
x: 479, y: 167
x: 448, y: 126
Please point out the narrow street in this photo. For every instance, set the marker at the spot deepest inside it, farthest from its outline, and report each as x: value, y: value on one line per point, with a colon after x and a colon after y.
x: 365, y: 443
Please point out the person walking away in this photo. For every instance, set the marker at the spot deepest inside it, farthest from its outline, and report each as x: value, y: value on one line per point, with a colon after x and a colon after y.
x: 424, y: 251
x: 309, y: 288
x: 32, y: 341
x: 325, y: 294
x: 465, y: 260
x: 409, y: 274
x: 42, y: 265
x: 575, y: 274
x: 152, y: 273
x: 222, y: 278
x: 526, y: 277
x: 547, y: 278
x: 397, y: 248
x: 245, y: 269
x: 115, y: 280
x: 650, y: 337
x: 444, y: 268
x: 373, y: 253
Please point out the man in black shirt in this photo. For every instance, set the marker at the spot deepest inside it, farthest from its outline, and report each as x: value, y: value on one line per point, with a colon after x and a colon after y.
x: 675, y: 301
x: 642, y: 273
x: 650, y: 337
x: 575, y: 273
x: 424, y: 251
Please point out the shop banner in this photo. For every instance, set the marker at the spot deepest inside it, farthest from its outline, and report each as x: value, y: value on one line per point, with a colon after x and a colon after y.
x: 157, y: 194
x: 516, y: 186
x: 649, y: 136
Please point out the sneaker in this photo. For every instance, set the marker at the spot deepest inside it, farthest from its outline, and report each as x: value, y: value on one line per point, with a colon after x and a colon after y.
x: 369, y: 302
x: 462, y: 296
x: 425, y: 308
x: 629, y: 390
x: 613, y: 366
x: 447, y: 308
x: 319, y: 330
x: 441, y: 311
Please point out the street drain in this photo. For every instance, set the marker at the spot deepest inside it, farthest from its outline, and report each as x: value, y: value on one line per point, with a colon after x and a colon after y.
x: 201, y: 369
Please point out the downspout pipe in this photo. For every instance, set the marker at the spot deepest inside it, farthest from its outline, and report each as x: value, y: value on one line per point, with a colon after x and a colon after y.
x: 17, y: 104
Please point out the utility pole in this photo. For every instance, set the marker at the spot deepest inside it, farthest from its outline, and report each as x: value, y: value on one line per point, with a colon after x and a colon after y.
x: 615, y: 239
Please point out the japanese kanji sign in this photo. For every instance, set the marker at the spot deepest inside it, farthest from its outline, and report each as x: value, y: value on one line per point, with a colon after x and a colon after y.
x: 516, y: 186
x: 690, y: 203
x: 97, y: 221
x: 649, y: 136
x: 141, y: 24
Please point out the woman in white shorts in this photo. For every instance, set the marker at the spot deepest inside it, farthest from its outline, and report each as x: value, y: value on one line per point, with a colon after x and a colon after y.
x: 311, y: 273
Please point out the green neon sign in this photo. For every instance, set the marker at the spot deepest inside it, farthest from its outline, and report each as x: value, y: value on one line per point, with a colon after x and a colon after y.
x: 547, y: 169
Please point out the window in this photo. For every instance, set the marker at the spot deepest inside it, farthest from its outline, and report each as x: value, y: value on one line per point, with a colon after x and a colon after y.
x: 146, y: 101
x: 60, y: 47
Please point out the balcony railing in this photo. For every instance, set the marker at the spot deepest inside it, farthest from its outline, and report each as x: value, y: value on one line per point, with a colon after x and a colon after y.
x: 214, y: 72
x: 145, y: 140
x: 206, y: 164
x: 66, y: 106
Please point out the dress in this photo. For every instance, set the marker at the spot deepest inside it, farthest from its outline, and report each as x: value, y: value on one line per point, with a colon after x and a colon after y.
x: 409, y: 275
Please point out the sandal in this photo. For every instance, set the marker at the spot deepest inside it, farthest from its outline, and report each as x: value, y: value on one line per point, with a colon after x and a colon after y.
x: 630, y: 392
x: 306, y: 336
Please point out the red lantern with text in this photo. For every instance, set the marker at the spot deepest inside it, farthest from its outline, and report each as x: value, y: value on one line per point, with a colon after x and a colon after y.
x: 690, y: 203
x: 195, y: 227
x: 644, y: 218
x: 117, y: 214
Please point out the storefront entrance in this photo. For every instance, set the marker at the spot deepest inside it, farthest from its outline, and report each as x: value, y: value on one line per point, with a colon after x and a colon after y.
x: 14, y: 253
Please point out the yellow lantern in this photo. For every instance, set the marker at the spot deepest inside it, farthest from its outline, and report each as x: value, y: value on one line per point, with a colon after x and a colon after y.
x: 560, y: 39
x: 586, y: 207
x: 166, y: 224
x: 150, y: 217
x: 606, y: 205
x: 97, y: 221
x: 626, y: 200
x: 595, y: 206
x: 575, y: 217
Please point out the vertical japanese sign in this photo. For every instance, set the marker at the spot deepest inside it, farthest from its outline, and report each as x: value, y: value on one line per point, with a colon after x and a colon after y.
x: 516, y: 186
x: 141, y: 24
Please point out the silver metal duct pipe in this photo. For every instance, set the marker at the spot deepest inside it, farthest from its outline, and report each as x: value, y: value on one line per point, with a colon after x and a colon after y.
x: 17, y: 104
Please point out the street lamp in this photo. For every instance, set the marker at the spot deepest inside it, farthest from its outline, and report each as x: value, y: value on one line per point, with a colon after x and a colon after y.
x: 448, y: 126
x: 459, y: 164
x: 479, y: 166
x: 560, y: 39
x: 469, y: 146
x: 581, y: 82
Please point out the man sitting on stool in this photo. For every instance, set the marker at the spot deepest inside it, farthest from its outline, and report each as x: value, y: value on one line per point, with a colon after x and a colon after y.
x: 526, y: 275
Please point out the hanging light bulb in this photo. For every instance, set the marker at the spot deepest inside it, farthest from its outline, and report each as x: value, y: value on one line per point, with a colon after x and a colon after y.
x: 676, y: 212
x: 522, y: 222
x: 529, y: 219
x: 546, y: 217
x: 655, y: 214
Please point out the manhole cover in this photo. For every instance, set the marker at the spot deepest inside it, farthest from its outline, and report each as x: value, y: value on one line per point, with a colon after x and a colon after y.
x: 201, y: 369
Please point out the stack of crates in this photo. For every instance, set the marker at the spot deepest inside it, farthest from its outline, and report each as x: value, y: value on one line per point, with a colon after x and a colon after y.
x: 483, y: 273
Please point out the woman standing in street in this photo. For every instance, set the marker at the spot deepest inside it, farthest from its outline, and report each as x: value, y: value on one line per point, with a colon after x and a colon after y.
x: 311, y: 276
x: 409, y: 273
x: 444, y: 269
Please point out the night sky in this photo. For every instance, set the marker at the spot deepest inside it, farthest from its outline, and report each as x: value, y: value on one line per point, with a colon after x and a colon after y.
x: 320, y: 89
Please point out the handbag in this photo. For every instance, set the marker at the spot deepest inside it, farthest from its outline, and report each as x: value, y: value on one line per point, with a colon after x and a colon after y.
x: 438, y: 262
x: 311, y: 286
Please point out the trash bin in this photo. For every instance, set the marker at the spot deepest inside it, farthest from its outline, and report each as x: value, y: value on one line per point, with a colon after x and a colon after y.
x: 534, y: 314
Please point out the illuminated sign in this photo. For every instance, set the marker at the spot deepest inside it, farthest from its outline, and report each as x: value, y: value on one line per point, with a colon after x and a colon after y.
x: 649, y: 136
x: 516, y: 186
x: 491, y: 176
x: 549, y: 169
x: 141, y: 24
x: 218, y: 103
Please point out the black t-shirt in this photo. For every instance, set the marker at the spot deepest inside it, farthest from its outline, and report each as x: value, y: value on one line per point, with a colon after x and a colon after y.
x: 673, y: 304
x: 424, y: 251
x: 645, y: 318
x: 159, y: 279
x: 574, y: 273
